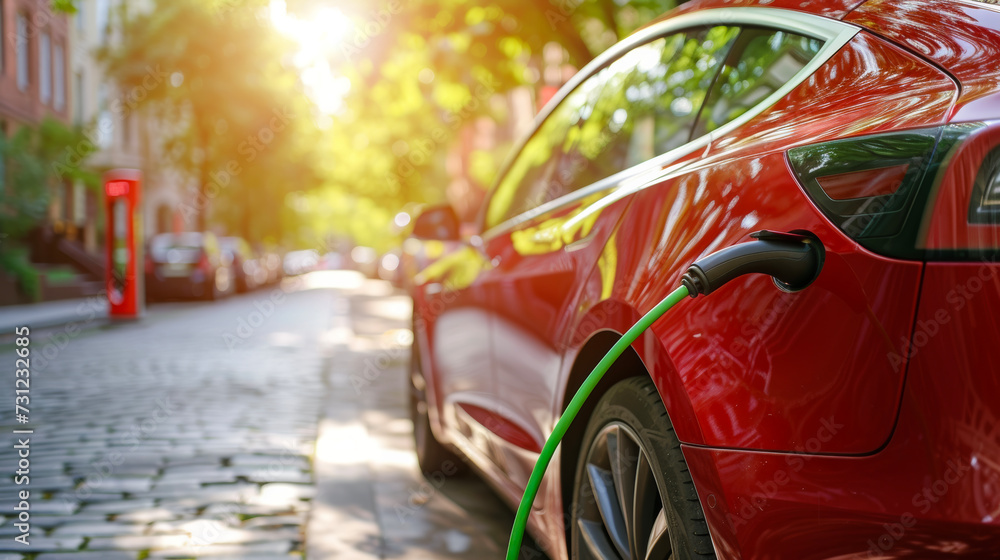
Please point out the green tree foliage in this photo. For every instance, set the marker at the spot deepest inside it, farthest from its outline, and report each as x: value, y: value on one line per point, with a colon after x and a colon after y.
x: 423, y: 71
x: 66, y: 6
x: 641, y: 106
x: 232, y: 111
x: 25, y: 195
x: 32, y: 164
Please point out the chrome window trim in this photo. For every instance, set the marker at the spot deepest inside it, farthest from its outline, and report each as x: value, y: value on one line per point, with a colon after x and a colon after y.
x: 834, y: 33
x: 988, y: 4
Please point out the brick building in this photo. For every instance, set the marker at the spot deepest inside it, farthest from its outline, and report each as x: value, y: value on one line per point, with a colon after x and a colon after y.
x: 34, y: 69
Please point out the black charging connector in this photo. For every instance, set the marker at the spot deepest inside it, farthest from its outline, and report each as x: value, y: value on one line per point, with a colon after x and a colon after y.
x: 793, y: 259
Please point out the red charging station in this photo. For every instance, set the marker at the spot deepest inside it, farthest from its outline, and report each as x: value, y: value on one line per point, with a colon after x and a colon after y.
x: 124, y: 273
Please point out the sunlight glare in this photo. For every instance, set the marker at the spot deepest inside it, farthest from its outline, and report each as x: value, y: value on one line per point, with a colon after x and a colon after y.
x: 319, y: 38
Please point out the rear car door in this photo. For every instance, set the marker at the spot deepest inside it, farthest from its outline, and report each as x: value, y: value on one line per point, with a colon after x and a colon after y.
x: 627, y: 121
x: 452, y: 326
x: 838, y: 154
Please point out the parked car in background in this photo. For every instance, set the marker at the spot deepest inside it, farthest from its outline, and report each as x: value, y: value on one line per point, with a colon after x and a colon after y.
x: 187, y: 265
x: 300, y: 262
x: 389, y: 268
x: 365, y: 260
x: 858, y: 418
x: 248, y: 272
x: 332, y: 261
x: 271, y: 262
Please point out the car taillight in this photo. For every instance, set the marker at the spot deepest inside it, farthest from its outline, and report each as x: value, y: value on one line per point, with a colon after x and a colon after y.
x: 877, y: 188
x: 203, y: 264
x: 984, y: 205
x: 963, y: 220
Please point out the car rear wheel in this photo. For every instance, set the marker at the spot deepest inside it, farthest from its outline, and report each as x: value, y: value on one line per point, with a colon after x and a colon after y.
x: 211, y: 291
x: 433, y: 457
x: 633, y: 496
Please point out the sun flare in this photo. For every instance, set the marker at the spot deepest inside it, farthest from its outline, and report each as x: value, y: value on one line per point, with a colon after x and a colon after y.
x: 318, y: 37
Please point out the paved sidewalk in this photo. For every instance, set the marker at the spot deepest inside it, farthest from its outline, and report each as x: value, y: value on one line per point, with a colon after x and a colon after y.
x: 368, y: 484
x: 53, y: 313
x: 161, y: 439
x: 271, y: 425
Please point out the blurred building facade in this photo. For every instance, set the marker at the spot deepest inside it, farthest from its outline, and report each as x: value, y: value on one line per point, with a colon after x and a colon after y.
x: 33, y: 70
x: 123, y: 135
x: 466, y: 192
x: 35, y: 58
x: 107, y: 146
x: 49, y: 68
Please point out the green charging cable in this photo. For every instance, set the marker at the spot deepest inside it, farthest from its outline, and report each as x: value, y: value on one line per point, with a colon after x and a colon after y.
x: 794, y: 260
x: 573, y: 408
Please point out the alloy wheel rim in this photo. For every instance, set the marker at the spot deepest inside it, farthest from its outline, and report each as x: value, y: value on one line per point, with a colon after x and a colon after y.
x: 620, y: 513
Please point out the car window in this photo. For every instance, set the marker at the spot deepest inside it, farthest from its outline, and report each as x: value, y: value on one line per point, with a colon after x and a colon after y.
x: 184, y: 247
x: 651, y: 98
x: 760, y: 62
x: 523, y: 186
x: 643, y: 104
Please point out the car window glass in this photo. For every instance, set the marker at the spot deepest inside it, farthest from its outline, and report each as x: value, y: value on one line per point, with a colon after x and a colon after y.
x: 182, y: 247
x: 649, y: 103
x: 642, y: 105
x: 523, y: 186
x: 761, y: 61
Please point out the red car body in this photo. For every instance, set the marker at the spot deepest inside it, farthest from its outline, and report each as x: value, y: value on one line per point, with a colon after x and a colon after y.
x: 860, y: 416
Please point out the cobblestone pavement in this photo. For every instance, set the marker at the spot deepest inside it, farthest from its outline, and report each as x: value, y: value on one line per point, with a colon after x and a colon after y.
x: 193, y: 434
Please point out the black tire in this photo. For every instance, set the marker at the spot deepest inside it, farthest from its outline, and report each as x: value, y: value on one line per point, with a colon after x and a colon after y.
x: 211, y: 291
x: 629, y: 446
x: 433, y: 457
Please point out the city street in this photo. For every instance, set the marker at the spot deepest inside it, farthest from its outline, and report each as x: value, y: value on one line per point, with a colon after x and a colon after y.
x: 268, y: 425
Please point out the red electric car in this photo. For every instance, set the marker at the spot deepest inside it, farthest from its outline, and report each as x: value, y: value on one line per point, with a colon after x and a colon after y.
x: 859, y: 417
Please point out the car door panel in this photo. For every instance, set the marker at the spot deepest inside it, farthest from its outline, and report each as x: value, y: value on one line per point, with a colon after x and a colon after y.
x: 543, y: 259
x: 763, y: 368
x: 816, y: 371
x: 534, y: 289
x: 453, y: 322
